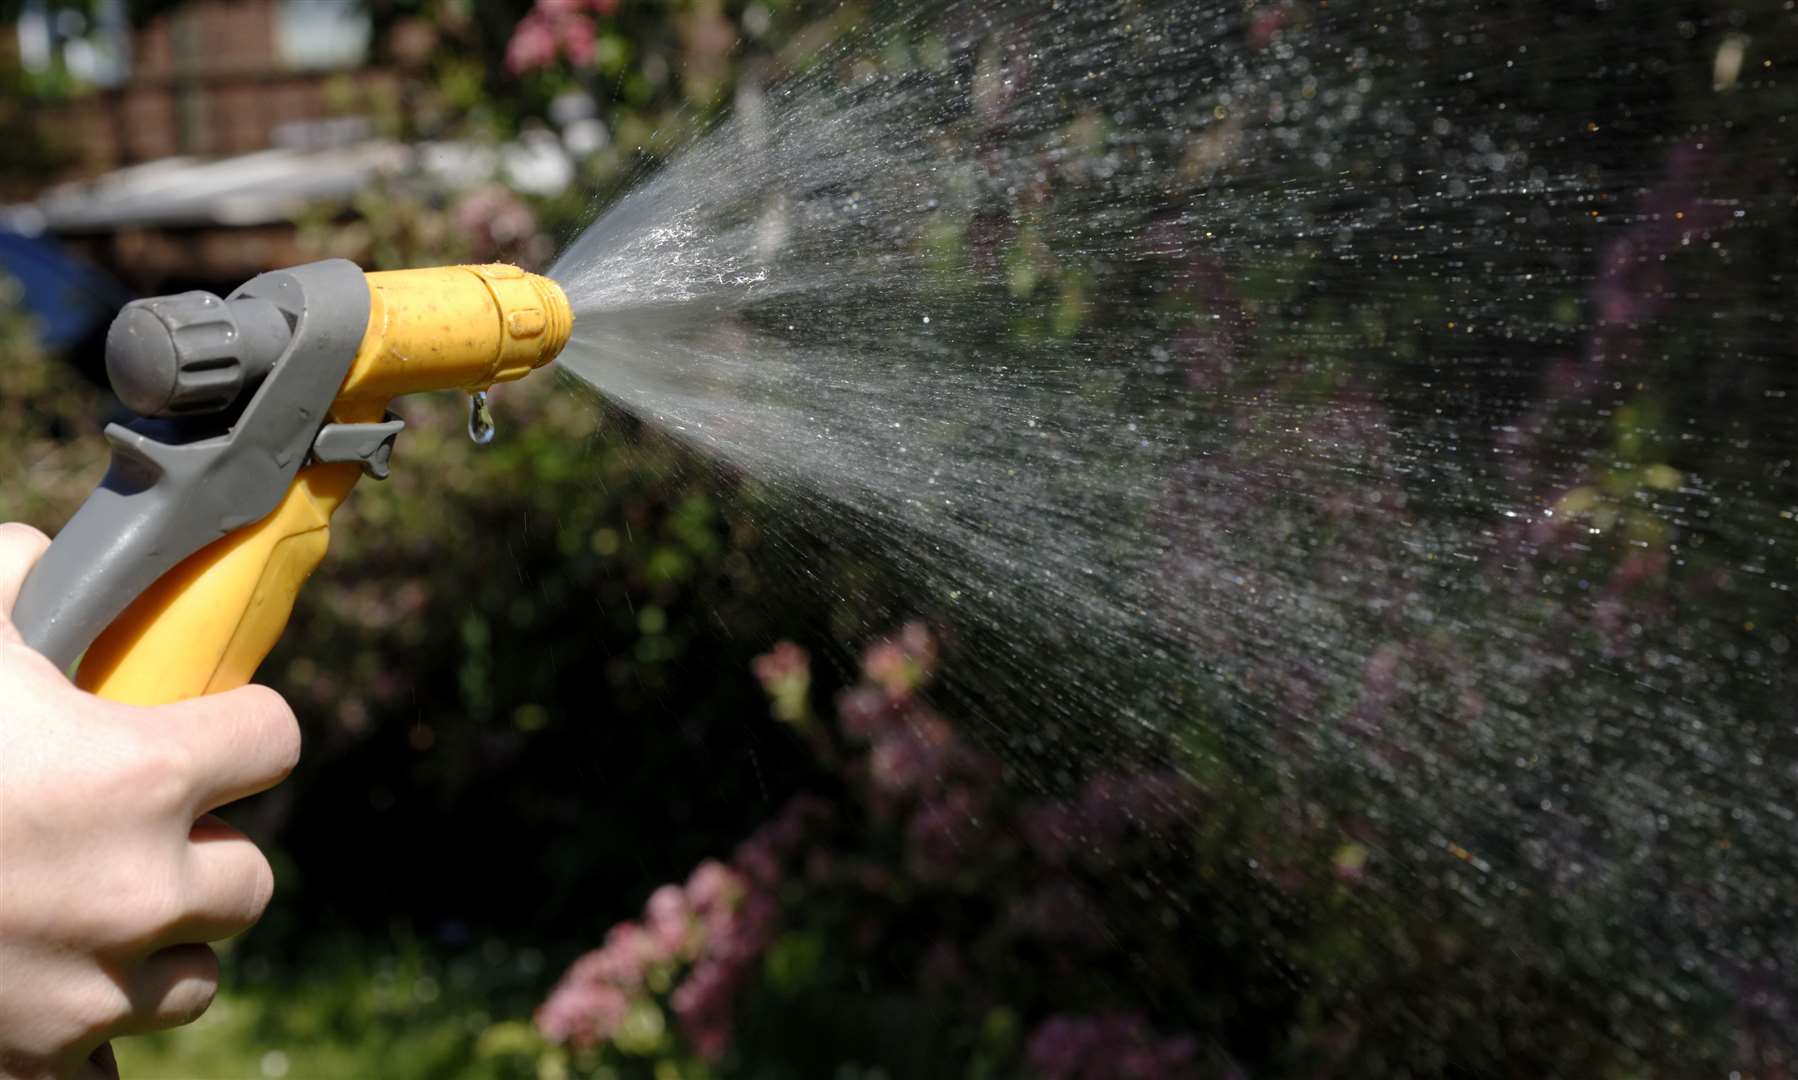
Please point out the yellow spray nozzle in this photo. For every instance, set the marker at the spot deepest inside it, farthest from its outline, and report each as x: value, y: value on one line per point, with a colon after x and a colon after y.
x: 453, y: 327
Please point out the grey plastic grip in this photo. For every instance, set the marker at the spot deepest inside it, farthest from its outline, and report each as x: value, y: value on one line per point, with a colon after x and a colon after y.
x: 164, y: 498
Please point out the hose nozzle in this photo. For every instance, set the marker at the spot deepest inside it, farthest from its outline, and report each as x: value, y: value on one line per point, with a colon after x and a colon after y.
x: 454, y: 327
x: 178, y: 573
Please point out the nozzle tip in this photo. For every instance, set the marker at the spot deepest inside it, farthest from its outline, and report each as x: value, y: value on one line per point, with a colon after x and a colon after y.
x: 559, y: 315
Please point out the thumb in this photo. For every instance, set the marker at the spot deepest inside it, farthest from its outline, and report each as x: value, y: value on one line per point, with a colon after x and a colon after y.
x: 20, y: 547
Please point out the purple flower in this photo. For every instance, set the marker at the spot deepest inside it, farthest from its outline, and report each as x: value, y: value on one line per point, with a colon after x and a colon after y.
x: 944, y: 836
x: 1115, y: 1046
x: 1058, y: 909
x: 758, y: 861
x: 703, y: 1003
x: 1094, y: 829
x: 902, y: 764
x: 864, y: 713
x: 705, y: 999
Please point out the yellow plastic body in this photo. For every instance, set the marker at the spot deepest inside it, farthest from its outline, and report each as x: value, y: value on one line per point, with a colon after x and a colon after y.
x: 208, y: 623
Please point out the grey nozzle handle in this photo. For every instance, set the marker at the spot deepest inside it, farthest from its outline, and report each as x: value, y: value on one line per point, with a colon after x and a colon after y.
x: 163, y: 499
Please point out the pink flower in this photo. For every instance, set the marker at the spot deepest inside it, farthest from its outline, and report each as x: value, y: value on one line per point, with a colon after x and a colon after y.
x: 715, y: 927
x: 670, y: 920
x: 579, y: 39
x: 533, y: 45
x: 713, y: 886
x: 622, y: 960
x: 499, y: 225
x: 786, y: 674
x: 555, y: 28
x: 734, y: 939
x: 581, y: 1010
x: 885, y: 664
x: 786, y: 660
x: 1265, y: 24
x: 902, y: 663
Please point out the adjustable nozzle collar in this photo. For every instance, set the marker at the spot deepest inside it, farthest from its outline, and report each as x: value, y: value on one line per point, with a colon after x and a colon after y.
x: 192, y: 353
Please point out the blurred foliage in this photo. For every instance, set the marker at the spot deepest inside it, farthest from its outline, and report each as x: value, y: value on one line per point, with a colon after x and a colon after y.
x: 32, y: 150
x: 48, y: 425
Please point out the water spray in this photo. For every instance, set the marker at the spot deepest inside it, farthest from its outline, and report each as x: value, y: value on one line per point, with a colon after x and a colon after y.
x: 259, y: 412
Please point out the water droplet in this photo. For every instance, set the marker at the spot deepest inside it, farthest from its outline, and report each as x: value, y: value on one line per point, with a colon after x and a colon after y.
x: 480, y: 418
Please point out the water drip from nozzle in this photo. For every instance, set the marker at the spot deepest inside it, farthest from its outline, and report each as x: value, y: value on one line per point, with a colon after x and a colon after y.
x: 480, y: 419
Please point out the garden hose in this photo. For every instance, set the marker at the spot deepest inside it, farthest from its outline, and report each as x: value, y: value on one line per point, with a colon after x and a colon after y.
x: 258, y: 413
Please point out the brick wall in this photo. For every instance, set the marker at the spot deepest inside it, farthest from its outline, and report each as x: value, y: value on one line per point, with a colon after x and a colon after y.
x: 206, y: 78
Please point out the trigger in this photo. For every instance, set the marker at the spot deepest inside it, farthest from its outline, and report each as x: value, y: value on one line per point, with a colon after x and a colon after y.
x: 371, y: 445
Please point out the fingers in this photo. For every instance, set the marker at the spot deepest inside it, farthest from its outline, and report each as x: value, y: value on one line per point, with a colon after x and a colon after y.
x: 229, y: 883
x: 171, y: 988
x: 20, y: 548
x: 237, y: 743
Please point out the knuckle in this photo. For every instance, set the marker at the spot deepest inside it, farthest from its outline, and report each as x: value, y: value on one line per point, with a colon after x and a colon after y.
x: 93, y: 1008
x: 280, y: 728
x: 151, y: 769
x: 164, y: 773
x: 239, y: 898
x: 199, y: 986
x: 171, y: 988
x: 259, y: 887
x: 155, y: 911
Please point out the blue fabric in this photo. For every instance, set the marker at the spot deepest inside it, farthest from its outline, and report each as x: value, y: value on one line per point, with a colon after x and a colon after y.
x: 67, y: 297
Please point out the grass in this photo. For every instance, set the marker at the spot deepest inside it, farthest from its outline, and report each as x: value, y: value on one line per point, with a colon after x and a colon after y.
x: 396, y: 1014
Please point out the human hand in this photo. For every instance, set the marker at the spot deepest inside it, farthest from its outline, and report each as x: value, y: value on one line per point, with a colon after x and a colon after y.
x: 113, y: 875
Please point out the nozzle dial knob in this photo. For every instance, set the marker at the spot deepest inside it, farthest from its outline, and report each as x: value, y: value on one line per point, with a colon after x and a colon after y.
x: 192, y: 353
